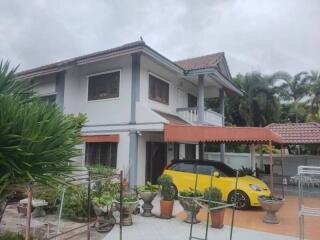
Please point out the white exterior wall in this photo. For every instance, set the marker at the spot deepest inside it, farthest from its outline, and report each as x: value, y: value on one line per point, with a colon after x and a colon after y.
x: 106, y: 111
x: 178, y: 88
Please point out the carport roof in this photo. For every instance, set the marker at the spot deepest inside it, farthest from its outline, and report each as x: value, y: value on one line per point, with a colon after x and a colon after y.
x: 185, y: 133
x: 297, y: 133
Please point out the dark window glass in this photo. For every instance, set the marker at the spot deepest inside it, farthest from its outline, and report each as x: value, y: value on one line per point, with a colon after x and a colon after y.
x: 104, y: 154
x: 186, y: 167
x: 225, y: 170
x: 49, y: 98
x: 192, y: 101
x: 205, y: 169
x: 158, y: 90
x: 104, y: 86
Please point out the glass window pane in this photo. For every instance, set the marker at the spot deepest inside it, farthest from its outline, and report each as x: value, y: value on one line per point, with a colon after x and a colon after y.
x: 104, y: 86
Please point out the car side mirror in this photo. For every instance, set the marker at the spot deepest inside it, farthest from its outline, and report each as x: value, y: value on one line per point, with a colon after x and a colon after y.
x: 216, y: 174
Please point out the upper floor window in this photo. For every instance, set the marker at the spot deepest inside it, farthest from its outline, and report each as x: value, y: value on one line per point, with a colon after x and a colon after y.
x: 103, y: 86
x: 158, y: 90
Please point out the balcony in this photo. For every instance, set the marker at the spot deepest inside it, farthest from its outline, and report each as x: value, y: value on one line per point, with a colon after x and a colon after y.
x: 190, y: 115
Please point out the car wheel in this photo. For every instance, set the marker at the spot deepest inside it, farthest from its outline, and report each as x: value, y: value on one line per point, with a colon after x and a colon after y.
x: 242, y: 199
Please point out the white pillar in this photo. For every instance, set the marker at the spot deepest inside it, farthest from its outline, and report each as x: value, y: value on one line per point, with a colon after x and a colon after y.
x: 200, y: 102
x: 253, y: 158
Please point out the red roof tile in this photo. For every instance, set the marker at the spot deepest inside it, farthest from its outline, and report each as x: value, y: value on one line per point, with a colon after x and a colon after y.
x: 200, y: 62
x: 183, y: 133
x: 297, y: 133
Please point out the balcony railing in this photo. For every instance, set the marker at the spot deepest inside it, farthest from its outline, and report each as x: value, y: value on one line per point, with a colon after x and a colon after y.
x: 190, y: 115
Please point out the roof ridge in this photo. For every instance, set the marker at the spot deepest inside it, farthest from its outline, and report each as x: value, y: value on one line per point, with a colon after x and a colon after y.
x: 202, y: 56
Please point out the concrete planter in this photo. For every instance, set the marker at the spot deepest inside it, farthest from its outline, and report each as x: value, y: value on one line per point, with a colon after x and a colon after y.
x: 190, y: 206
x: 147, y: 197
x: 127, y: 210
x: 271, y: 206
x: 105, y: 219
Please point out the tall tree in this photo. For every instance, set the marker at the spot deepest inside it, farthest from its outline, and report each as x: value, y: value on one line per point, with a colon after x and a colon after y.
x: 259, y: 106
x: 293, y: 88
x: 315, y: 96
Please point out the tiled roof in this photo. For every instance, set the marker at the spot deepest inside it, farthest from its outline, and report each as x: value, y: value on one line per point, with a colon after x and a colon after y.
x: 183, y: 133
x: 200, y: 62
x: 297, y: 133
x: 172, y: 119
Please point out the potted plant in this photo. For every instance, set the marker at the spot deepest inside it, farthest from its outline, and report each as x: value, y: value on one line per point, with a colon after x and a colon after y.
x: 213, y: 196
x: 168, y: 194
x: 129, y: 203
x: 271, y: 205
x: 102, y: 206
x: 147, y: 193
x: 186, y: 199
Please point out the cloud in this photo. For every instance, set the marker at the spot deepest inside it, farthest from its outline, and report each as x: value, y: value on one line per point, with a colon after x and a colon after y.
x: 264, y: 35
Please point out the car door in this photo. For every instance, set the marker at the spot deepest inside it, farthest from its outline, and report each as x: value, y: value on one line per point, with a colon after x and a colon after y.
x: 184, y: 176
x: 222, y: 182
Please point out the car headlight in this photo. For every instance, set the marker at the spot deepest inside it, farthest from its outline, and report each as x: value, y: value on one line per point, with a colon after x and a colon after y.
x: 255, y: 188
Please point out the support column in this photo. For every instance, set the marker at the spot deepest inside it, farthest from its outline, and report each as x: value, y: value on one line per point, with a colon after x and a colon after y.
x: 60, y: 83
x: 253, y: 158
x: 200, y: 100
x: 133, y: 159
x: 271, y: 167
x: 222, y: 145
x: 282, y: 160
x: 135, y: 97
x: 135, y: 85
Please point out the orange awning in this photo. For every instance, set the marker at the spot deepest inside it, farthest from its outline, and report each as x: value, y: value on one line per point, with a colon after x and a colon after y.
x: 183, y: 133
x: 101, y: 138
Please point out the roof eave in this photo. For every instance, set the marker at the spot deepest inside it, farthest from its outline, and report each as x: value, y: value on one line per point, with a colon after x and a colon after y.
x: 224, y: 81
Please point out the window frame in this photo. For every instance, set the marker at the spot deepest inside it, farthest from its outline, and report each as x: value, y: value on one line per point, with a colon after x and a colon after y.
x: 98, y: 146
x: 162, y: 79
x: 101, y: 73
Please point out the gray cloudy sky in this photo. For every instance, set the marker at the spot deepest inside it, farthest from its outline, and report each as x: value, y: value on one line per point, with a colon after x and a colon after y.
x: 263, y: 35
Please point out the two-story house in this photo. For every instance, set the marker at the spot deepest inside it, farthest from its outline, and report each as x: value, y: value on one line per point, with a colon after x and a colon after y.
x: 129, y: 94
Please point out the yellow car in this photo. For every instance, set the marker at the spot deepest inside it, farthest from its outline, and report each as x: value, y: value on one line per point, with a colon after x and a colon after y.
x: 184, y: 177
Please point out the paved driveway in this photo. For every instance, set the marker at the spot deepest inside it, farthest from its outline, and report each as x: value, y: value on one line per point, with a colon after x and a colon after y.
x: 174, y: 229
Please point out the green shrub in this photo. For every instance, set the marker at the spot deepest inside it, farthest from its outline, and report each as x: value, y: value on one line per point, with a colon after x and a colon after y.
x: 149, y: 187
x: 75, y: 202
x: 51, y: 195
x: 213, y: 194
x: 167, y: 188
x: 99, y: 169
x: 190, y: 193
x: 16, y: 236
x: 246, y: 171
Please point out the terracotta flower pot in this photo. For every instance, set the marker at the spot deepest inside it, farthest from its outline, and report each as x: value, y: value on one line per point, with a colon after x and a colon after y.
x: 166, y: 208
x: 217, y: 217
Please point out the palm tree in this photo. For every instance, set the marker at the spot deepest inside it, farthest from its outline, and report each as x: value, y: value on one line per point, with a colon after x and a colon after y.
x: 259, y: 105
x: 293, y: 88
x: 315, y: 95
x: 37, y: 142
